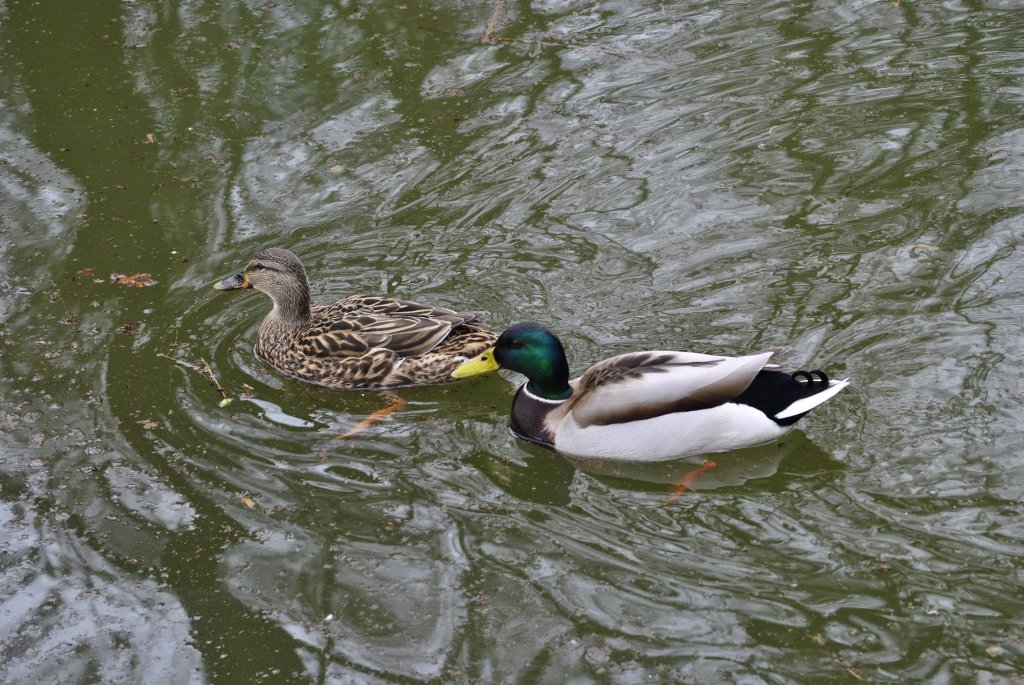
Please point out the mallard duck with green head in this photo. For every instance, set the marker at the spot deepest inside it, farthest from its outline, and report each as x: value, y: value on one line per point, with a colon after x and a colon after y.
x: 364, y: 342
x: 648, y: 406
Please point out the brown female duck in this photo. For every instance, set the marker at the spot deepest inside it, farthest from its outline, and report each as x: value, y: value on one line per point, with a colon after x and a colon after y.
x: 364, y: 342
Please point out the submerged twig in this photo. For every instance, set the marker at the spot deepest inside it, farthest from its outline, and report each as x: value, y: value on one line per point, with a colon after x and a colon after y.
x: 206, y: 372
x: 500, y: 7
x: 216, y: 383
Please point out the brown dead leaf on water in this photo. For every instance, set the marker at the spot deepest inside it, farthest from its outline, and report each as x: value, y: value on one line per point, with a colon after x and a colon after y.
x: 148, y: 424
x: 87, y: 271
x: 133, y: 281
x: 248, y: 501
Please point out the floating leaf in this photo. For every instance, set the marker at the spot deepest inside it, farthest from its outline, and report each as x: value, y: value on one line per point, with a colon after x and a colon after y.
x: 336, y: 169
x: 248, y: 501
x: 148, y: 424
x: 87, y: 271
x: 133, y: 281
x: 224, y: 402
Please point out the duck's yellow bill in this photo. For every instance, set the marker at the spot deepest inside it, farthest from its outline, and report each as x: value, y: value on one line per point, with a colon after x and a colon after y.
x: 482, y: 363
x: 233, y: 283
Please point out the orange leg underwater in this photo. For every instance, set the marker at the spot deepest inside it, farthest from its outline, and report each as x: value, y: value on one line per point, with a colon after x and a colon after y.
x: 684, y: 484
x: 373, y: 418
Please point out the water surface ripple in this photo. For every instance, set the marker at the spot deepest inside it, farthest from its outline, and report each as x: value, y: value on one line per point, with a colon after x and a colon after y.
x: 841, y: 177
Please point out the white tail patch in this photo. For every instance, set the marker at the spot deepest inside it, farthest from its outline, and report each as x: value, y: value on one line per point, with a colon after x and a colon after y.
x: 808, y: 403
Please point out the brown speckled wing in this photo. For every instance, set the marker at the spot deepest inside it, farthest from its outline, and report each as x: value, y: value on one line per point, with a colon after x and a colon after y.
x: 405, y: 336
x: 369, y: 371
x: 328, y: 344
x: 387, y: 307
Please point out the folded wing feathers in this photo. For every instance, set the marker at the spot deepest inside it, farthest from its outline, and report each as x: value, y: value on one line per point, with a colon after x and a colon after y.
x: 406, y: 328
x: 645, y: 384
x: 387, y: 307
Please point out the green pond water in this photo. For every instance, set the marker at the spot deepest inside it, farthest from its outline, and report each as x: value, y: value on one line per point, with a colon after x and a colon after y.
x: 843, y: 177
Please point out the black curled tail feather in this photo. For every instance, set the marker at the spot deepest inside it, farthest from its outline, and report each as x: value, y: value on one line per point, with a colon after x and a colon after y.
x: 820, y: 382
x: 773, y: 391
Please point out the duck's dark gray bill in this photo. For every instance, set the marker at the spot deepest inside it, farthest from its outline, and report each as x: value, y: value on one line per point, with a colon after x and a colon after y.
x: 232, y: 283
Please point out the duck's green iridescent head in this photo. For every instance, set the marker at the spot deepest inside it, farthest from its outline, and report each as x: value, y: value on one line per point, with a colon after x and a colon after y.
x: 531, y: 350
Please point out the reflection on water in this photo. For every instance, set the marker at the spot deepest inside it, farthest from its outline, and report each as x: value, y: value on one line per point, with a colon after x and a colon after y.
x: 842, y: 178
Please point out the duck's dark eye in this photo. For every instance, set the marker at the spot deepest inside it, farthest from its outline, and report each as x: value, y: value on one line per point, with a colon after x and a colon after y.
x: 257, y: 267
x: 515, y: 344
